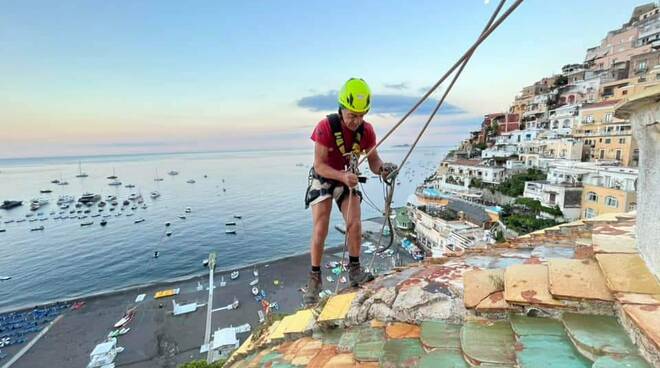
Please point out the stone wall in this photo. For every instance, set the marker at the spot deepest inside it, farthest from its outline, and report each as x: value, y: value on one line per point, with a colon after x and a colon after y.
x: 644, y: 113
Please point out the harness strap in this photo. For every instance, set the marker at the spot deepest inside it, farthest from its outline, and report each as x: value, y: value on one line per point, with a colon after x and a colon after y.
x: 338, y: 132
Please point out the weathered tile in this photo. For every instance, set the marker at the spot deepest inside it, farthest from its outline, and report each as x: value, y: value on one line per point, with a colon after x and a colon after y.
x: 632, y: 298
x: 376, y: 323
x: 300, y: 322
x: 341, y: 361
x: 336, y: 307
x: 332, y: 336
x: 488, y: 342
x: 440, y: 334
x: 549, y: 351
x: 596, y: 336
x: 495, y: 302
x: 444, y: 359
x: 307, y: 353
x: 478, y: 284
x: 369, y: 345
x: 627, y: 361
x: 347, y: 340
x: 545, y: 253
x: 528, y: 284
x: 294, y: 348
x: 647, y: 318
x: 399, y: 330
x: 577, y: 279
x: 528, y: 326
x: 627, y: 273
x: 401, y: 353
x: 256, y: 362
x: 604, y: 243
x: 323, y: 356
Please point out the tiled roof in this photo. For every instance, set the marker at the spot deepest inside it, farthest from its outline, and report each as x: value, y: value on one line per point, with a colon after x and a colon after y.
x: 576, y: 291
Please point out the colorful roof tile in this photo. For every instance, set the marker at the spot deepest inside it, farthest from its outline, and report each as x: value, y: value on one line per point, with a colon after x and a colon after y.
x: 577, y: 279
x: 628, y: 273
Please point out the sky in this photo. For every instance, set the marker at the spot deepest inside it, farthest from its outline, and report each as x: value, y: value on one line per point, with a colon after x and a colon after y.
x: 110, y: 77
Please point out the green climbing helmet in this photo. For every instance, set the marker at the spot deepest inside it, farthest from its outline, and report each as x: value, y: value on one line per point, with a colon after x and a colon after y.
x: 355, y: 96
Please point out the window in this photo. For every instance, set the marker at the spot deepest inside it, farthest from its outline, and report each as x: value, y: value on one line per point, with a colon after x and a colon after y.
x: 608, y: 117
x: 589, y: 119
x: 608, y: 141
x: 590, y: 212
x: 618, y: 155
x: 622, y: 140
x: 592, y: 197
x: 641, y: 66
x: 611, y: 202
x: 602, y: 154
x: 624, y: 92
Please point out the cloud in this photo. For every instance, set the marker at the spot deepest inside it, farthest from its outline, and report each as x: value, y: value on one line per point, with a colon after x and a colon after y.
x: 397, y: 86
x: 389, y: 104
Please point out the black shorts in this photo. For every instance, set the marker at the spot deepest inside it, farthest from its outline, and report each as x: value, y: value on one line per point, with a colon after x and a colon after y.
x: 320, y: 189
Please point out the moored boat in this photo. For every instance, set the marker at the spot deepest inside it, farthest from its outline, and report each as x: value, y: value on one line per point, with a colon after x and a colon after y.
x: 7, y: 205
x: 230, y: 231
x: 255, y: 291
x: 254, y: 282
x: 234, y: 275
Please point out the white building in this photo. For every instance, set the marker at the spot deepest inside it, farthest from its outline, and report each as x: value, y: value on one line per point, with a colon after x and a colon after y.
x: 434, y: 233
x: 562, y: 119
x: 462, y: 172
x: 566, y: 196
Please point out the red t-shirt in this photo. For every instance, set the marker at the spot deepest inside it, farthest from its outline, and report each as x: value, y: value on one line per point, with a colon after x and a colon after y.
x: 323, y: 134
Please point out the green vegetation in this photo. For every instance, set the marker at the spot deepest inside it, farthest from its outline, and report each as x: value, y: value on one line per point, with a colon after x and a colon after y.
x: 481, y: 146
x: 536, y: 206
x: 499, y: 236
x: 515, y: 185
x: 203, y: 364
x: 523, y: 216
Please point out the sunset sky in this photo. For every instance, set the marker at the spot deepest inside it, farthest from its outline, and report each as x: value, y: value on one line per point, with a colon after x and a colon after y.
x: 102, y: 77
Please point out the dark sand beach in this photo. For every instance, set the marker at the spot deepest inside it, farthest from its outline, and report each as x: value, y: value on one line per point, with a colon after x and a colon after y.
x: 158, y: 338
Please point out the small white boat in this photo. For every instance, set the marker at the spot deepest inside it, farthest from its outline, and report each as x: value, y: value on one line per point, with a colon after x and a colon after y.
x: 238, y: 217
x: 167, y: 224
x: 262, y: 318
x: 154, y: 194
x: 235, y: 304
x: 255, y: 291
x: 40, y: 228
x: 173, y: 173
x: 63, y: 183
x: 138, y: 221
x: 234, y: 275
x: 255, y: 272
x: 254, y: 282
x: 5, y: 278
x: 87, y: 223
x: 114, y: 183
x: 129, y: 186
x: 188, y: 210
x: 230, y: 231
x: 190, y: 181
x: 182, y: 217
x: 205, y: 262
x: 169, y: 233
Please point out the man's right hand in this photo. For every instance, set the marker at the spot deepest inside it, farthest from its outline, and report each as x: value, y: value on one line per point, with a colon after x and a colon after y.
x: 350, y: 179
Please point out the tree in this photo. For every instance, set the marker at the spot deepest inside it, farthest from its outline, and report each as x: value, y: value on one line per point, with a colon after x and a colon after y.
x: 203, y: 364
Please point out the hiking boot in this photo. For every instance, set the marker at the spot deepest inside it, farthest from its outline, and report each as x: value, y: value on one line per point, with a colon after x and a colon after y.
x: 311, y: 296
x: 357, y: 275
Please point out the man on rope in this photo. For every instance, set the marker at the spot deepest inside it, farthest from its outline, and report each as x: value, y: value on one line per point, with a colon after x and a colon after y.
x: 338, y: 138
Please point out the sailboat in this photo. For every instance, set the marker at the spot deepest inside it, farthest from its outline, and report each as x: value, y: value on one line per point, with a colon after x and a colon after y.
x: 81, y: 174
x: 113, y: 176
x: 157, y: 178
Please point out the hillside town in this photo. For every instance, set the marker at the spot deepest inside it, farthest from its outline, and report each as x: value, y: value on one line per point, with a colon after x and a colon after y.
x: 558, y: 154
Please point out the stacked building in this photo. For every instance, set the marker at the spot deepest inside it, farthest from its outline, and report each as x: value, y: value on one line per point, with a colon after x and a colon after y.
x: 564, y: 125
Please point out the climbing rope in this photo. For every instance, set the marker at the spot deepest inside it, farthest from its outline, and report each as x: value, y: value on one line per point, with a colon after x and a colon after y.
x: 488, y: 29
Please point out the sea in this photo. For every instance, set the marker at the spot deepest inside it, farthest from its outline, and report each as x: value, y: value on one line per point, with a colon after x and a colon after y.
x: 265, y: 188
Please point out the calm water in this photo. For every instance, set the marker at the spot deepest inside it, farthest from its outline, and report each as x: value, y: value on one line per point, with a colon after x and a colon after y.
x: 67, y: 260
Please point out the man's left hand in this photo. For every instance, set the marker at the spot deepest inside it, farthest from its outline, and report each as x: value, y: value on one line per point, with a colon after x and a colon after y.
x: 387, y: 169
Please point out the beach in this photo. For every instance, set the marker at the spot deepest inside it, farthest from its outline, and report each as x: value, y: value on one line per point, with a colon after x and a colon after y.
x: 157, y: 338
